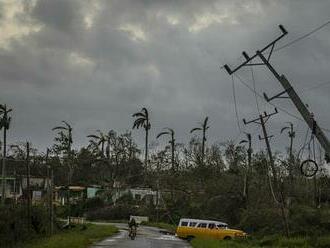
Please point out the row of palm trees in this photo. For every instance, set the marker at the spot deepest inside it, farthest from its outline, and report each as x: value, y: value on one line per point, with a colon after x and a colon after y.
x: 142, y: 120
x: 64, y: 139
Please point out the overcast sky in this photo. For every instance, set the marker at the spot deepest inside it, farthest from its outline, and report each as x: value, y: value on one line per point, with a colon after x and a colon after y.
x: 95, y: 63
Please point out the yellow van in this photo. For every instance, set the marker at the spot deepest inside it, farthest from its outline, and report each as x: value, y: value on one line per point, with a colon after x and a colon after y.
x: 194, y: 228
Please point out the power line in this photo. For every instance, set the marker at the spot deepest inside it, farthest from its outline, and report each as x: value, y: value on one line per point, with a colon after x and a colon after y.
x: 316, y: 86
x: 259, y: 95
x: 280, y: 108
x: 254, y: 88
x: 235, y: 101
x: 302, y: 37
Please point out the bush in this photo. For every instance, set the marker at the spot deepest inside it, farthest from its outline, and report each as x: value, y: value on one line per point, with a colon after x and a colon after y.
x: 261, y: 220
x: 323, y: 242
x: 118, y: 212
x: 14, y: 224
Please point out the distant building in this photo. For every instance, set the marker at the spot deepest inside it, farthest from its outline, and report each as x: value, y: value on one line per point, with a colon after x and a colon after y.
x: 146, y: 195
x: 77, y: 193
x: 16, y: 188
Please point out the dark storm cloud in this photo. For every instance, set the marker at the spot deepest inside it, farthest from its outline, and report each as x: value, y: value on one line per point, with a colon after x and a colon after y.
x: 94, y: 63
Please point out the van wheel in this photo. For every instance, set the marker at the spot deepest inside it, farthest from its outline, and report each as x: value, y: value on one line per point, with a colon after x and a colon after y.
x: 190, y: 238
x: 227, y: 238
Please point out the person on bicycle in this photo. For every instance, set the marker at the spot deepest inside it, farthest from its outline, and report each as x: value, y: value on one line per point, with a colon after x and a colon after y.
x: 132, y: 226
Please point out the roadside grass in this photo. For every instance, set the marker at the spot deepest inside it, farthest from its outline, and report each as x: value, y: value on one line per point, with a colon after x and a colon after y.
x: 77, y: 237
x: 267, y: 241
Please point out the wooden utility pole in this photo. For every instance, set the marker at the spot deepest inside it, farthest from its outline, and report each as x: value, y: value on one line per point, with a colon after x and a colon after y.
x: 28, y: 181
x: 292, y: 135
x: 248, y: 169
x: 50, y: 192
x: 4, y: 123
x: 262, y: 119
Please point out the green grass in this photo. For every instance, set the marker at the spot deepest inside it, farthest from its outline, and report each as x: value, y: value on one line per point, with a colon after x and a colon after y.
x: 75, y: 237
x: 267, y: 241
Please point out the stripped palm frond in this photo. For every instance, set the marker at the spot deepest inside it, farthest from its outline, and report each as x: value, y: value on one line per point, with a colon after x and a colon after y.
x: 59, y: 128
x: 68, y: 125
x: 161, y: 134
x: 195, y: 129
x: 93, y: 136
x: 139, y: 114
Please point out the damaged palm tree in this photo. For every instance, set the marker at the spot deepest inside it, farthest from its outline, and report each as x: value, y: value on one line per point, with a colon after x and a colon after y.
x: 142, y: 120
x: 63, y: 144
x: 203, y: 128
x: 98, y: 140
x: 170, y: 132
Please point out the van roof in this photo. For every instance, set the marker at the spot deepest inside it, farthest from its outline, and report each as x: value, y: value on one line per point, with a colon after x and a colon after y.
x: 199, y: 220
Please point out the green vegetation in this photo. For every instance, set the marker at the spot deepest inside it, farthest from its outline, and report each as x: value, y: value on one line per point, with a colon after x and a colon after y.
x: 227, y: 181
x: 77, y: 237
x: 267, y: 241
x: 15, y: 227
x: 166, y: 226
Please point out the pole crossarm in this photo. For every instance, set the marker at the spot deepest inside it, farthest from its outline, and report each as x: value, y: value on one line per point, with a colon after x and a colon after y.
x: 249, y: 59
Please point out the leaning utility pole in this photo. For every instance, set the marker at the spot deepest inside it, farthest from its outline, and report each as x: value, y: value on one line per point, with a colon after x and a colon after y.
x: 261, y: 120
x: 288, y: 89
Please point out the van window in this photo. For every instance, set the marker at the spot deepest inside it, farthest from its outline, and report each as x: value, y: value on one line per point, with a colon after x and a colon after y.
x: 184, y: 223
x: 221, y: 226
x: 212, y: 225
x: 192, y: 224
x: 202, y: 225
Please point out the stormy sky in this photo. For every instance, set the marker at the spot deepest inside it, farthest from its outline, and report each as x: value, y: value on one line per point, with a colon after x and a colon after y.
x: 94, y: 63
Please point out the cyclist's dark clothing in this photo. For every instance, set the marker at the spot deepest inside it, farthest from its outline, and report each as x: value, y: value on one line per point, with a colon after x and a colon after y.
x: 132, y: 223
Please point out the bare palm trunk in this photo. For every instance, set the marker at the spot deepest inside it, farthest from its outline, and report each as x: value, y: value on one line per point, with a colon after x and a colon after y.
x: 172, y: 156
x: 3, y: 195
x: 203, y: 146
x: 146, y: 150
x: 102, y: 148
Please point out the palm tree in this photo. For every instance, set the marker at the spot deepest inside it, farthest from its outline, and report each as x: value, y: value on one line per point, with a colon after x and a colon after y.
x: 171, y: 132
x: 142, y: 120
x: 4, y: 123
x: 203, y: 128
x: 98, y: 140
x: 65, y: 140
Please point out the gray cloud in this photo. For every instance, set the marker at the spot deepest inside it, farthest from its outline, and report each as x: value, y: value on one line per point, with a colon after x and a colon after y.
x: 94, y: 63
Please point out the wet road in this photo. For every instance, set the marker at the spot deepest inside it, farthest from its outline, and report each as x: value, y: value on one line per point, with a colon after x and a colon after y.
x: 147, y: 237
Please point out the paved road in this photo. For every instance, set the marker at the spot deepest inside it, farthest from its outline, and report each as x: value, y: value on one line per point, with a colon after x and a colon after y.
x: 147, y: 237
